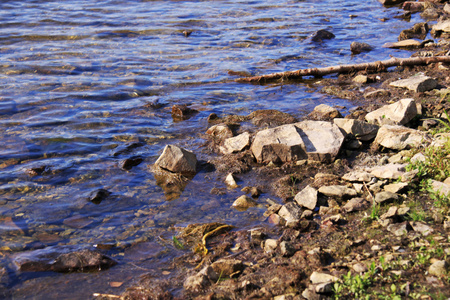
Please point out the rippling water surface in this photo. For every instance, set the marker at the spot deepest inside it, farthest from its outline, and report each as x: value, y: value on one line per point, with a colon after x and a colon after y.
x: 83, y: 80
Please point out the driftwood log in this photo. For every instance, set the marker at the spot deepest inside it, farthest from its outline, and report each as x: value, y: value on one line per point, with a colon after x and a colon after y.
x: 371, y: 66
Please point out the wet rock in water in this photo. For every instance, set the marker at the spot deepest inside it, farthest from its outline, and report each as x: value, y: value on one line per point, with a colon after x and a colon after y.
x: 270, y: 118
x: 418, y: 83
x: 228, y: 267
x: 398, y: 113
x: 78, y: 221
x: 358, y: 176
x: 177, y: 160
x: 244, y: 202
x: 39, y: 170
x: 439, y: 268
x: 399, y: 229
x: 440, y: 188
x: 123, y: 149
x: 358, y: 129
x: 236, y: 144
x: 385, y: 197
x: 230, y: 181
x: 131, y: 162
x: 321, y: 35
x: 340, y: 191
x: 418, y: 31
x: 62, y: 259
x: 307, y: 197
x: 413, y: 6
x: 324, y: 112
x: 423, y: 228
x: 391, y: 2
x: 220, y: 132
x: 291, y: 212
x: 389, y: 171
x: 356, y: 204
x: 357, y: 47
x: 405, y: 44
x: 182, y: 112
x: 398, y: 137
x: 98, y: 196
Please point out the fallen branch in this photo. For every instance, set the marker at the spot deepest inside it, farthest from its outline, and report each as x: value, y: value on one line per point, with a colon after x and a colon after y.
x: 372, y: 66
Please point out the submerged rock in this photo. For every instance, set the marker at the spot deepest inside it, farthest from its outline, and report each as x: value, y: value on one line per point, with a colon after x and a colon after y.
x: 182, y: 112
x: 244, y: 202
x: 177, y: 160
x: 131, y: 162
x: 62, y: 259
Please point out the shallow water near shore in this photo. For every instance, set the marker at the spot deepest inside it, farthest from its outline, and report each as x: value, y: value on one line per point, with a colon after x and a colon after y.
x: 82, y: 80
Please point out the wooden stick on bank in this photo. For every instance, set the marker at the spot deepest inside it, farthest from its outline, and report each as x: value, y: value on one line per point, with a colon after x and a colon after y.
x: 373, y: 66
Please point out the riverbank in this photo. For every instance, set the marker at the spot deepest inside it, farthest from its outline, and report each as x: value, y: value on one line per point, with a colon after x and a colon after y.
x: 378, y: 231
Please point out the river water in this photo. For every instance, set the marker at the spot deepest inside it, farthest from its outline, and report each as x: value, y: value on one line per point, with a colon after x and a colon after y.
x: 83, y: 80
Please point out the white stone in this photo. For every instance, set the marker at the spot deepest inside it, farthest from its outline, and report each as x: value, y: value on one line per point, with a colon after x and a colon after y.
x: 230, y: 181
x: 337, y: 191
x: 307, y: 197
x: 359, y: 129
x: 236, y: 144
x: 317, y: 278
x: 399, y: 137
x: 359, y: 176
x: 418, y: 83
x: 398, y: 113
x: 440, y: 187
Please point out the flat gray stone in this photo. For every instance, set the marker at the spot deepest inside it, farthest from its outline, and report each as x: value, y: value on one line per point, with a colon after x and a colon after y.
x: 385, y: 197
x: 359, y: 129
x: 405, y: 44
x: 395, y: 187
x: 440, y: 187
x: 358, y: 176
x: 399, y: 229
x: 418, y: 84
x: 340, y: 191
x: 236, y: 144
x: 399, y: 137
x: 307, y: 197
x: 423, y: 228
x: 442, y: 26
x: 398, y: 113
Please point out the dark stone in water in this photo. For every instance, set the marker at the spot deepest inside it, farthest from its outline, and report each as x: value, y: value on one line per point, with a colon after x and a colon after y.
x: 40, y: 170
x: 321, y: 35
x: 98, y: 196
x: 62, y: 259
x: 357, y: 47
x: 182, y: 112
x: 128, y: 163
x: 123, y: 149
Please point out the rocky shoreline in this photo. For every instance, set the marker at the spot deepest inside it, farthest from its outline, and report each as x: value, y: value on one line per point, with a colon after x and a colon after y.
x: 365, y: 211
x: 362, y: 216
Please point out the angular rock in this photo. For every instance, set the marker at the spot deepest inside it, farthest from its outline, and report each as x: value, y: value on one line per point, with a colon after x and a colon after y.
x: 287, y: 249
x: 324, y: 112
x: 399, y: 229
x: 182, y: 112
x: 358, y: 176
x: 62, y: 259
x: 226, y: 267
x: 392, y: 212
x: 358, y: 129
x: 395, y: 187
x: 438, y: 268
x: 131, y: 162
x: 357, y: 47
x: 270, y: 245
x: 317, y: 277
x: 307, y: 197
x: 418, y: 84
x: 290, y: 211
x: 98, y: 196
x: 405, y: 44
x: 220, y: 132
x: 418, y: 31
x: 230, y: 181
x: 324, y: 288
x: 423, y: 228
x: 442, y: 26
x: 389, y: 171
x: 314, y: 140
x: 360, y: 79
x: 340, y: 191
x: 236, y: 144
x: 398, y: 113
x: 385, y: 197
x: 244, y: 202
x: 440, y: 187
x: 399, y: 137
x: 356, y: 204
x: 177, y: 160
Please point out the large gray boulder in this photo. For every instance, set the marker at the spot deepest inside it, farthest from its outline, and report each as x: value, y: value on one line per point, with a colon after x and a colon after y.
x: 313, y: 140
x: 398, y: 113
x: 177, y: 160
x: 359, y: 129
x: 399, y: 137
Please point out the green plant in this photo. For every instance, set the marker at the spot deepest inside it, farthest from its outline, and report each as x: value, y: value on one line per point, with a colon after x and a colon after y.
x: 375, y: 212
x: 353, y: 285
